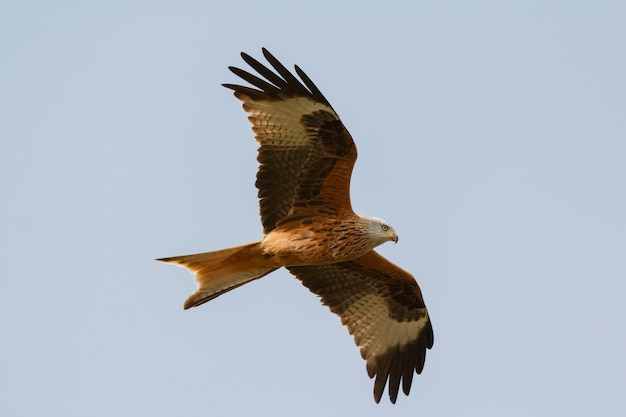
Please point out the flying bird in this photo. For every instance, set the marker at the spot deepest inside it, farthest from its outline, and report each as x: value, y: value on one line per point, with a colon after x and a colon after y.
x: 306, y: 157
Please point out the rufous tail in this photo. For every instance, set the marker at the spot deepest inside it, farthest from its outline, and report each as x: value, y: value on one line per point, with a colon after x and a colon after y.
x: 223, y: 270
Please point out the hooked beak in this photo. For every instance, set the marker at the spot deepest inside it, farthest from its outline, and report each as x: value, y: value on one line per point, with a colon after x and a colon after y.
x: 394, y: 238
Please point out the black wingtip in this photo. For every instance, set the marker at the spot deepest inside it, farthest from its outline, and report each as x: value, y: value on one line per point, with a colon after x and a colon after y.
x: 275, y: 81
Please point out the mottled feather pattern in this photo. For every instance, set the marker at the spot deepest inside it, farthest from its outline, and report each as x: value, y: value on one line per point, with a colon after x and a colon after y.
x: 308, y: 240
x: 302, y: 139
x: 393, y: 337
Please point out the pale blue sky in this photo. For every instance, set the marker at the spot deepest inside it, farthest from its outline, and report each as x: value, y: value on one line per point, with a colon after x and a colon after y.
x: 491, y: 135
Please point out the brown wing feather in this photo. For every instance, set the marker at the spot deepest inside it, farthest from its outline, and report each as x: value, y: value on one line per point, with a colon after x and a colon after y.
x: 382, y: 306
x: 306, y: 154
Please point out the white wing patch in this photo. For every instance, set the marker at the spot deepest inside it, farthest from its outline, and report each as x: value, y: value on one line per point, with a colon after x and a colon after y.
x: 374, y: 331
x: 278, y: 123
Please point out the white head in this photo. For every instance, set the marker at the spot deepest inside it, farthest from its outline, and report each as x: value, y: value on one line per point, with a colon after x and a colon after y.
x: 380, y: 230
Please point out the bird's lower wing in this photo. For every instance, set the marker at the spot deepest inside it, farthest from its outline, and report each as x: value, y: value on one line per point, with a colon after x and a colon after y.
x: 382, y: 306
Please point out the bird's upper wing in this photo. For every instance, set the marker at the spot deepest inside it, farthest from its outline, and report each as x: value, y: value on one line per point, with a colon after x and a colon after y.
x: 306, y: 154
x: 382, y: 306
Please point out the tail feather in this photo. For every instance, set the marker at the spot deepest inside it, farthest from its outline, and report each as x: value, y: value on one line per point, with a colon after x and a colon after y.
x: 223, y: 270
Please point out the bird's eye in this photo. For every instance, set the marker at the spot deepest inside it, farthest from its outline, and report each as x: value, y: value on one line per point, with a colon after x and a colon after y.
x: 385, y: 227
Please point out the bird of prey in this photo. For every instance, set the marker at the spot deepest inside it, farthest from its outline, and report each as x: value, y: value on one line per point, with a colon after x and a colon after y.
x: 306, y: 157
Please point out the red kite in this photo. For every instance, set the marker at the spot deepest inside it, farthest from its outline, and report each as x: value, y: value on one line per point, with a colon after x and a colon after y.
x: 306, y: 159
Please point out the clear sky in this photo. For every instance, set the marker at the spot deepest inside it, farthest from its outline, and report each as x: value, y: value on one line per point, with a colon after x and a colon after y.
x: 491, y: 135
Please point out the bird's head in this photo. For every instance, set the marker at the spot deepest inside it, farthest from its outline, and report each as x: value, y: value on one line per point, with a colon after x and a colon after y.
x: 381, y: 231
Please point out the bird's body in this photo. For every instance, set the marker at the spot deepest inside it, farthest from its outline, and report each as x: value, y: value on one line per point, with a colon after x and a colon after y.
x: 306, y: 159
x: 319, y: 241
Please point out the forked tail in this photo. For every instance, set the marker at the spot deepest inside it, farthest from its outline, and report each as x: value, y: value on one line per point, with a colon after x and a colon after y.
x: 223, y: 270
